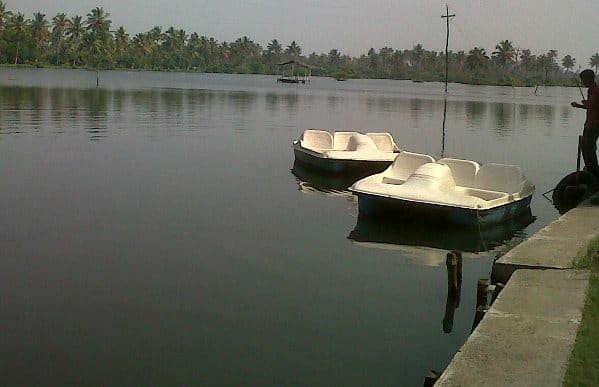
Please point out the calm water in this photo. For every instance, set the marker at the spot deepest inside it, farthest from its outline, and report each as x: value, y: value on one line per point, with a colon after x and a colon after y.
x: 152, y: 231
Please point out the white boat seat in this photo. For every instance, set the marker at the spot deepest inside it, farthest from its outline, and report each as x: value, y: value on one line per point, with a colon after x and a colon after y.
x: 499, y: 177
x: 316, y: 139
x: 463, y: 171
x: 404, y: 165
x: 383, y: 141
x: 341, y: 140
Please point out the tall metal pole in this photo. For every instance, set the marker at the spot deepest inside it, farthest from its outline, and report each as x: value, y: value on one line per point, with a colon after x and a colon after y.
x: 447, y: 16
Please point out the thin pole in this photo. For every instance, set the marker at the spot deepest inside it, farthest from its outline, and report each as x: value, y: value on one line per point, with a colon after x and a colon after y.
x: 447, y: 16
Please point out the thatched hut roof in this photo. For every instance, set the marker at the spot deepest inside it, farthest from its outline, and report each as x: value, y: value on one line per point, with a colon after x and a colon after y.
x: 296, y: 62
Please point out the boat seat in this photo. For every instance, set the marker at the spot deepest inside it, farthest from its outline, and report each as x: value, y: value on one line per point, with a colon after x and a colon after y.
x: 383, y: 141
x: 404, y: 165
x: 484, y: 194
x: 341, y: 140
x: 463, y: 171
x: 360, y: 142
x: 500, y: 178
x: 316, y: 139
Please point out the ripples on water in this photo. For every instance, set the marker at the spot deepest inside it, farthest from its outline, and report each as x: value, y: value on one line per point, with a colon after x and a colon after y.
x: 155, y: 230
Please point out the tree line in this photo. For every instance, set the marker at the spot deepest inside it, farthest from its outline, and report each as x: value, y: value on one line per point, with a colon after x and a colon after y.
x: 90, y: 42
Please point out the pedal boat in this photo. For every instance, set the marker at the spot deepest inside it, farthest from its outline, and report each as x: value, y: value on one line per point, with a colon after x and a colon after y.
x: 454, y: 191
x: 350, y: 152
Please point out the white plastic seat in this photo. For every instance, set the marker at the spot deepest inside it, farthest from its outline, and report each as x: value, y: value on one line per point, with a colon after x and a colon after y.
x: 383, y: 141
x: 316, y: 139
x: 404, y: 165
x: 463, y: 171
x: 500, y: 178
x: 341, y: 140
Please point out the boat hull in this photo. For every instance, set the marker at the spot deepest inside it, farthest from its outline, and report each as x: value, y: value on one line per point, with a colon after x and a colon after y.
x: 375, y: 205
x: 315, y: 161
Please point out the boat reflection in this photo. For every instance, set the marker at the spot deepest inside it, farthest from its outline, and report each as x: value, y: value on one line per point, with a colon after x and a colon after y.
x: 311, y: 181
x: 428, y: 243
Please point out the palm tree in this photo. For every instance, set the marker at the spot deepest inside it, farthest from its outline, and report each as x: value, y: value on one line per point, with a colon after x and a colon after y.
x: 121, y: 44
x: 18, y: 25
x: 594, y: 62
x: 505, y: 53
x: 98, y: 23
x: 75, y: 31
x: 60, y: 22
x: 273, y: 51
x: 4, y: 15
x: 477, y: 58
x: 568, y: 62
x: 39, y: 32
x: 293, y: 50
x: 417, y: 54
x: 527, y: 59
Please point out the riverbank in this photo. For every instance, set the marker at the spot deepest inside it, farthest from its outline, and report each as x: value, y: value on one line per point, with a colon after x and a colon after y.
x: 527, y: 336
x: 464, y: 79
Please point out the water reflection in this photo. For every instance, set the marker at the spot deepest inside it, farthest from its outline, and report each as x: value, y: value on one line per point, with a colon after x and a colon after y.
x: 311, y: 181
x: 475, y: 113
x: 502, y: 115
x: 99, y: 111
x: 434, y: 239
x: 545, y: 113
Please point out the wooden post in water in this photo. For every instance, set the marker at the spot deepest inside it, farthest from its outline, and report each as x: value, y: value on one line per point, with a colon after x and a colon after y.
x: 431, y: 378
x: 482, y: 291
x: 478, y: 316
x: 454, y: 285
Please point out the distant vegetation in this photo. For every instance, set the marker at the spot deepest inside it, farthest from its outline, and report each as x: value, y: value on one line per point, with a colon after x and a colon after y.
x: 90, y: 42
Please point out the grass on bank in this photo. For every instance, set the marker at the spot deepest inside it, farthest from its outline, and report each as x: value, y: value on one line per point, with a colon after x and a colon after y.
x: 583, y: 367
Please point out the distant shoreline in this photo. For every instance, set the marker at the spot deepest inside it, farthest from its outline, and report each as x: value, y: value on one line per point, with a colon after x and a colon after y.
x: 477, y: 82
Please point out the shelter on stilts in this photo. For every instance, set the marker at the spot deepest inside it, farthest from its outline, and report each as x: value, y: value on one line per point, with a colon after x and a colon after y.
x: 292, y: 76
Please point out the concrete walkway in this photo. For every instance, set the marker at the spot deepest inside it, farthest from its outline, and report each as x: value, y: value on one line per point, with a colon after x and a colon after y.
x: 555, y: 246
x: 526, y: 337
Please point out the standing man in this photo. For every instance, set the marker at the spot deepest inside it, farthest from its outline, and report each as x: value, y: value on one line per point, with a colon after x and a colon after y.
x: 591, y: 124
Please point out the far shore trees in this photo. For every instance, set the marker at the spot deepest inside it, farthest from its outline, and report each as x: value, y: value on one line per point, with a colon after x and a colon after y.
x: 89, y: 42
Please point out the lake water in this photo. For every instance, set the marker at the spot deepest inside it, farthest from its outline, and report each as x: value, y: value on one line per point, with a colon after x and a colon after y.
x: 152, y: 231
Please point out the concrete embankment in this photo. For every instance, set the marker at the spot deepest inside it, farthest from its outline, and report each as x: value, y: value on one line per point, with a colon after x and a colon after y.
x: 526, y: 337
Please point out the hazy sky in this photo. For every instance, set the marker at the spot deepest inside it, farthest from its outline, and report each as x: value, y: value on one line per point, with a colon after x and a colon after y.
x: 353, y: 26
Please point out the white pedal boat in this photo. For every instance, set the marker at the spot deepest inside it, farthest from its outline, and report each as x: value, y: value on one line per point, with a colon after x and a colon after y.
x: 345, y: 151
x: 450, y: 190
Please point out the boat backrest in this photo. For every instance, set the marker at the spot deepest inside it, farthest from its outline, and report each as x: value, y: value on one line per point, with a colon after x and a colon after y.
x: 383, y: 141
x: 361, y: 142
x: 405, y: 164
x: 316, y: 139
x: 463, y: 171
x: 341, y: 140
x: 500, y: 177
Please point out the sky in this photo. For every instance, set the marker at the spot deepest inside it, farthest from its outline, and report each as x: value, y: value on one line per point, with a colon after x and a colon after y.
x: 354, y: 26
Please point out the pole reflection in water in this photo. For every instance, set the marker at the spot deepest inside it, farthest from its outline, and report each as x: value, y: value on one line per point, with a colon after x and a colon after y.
x: 454, y: 288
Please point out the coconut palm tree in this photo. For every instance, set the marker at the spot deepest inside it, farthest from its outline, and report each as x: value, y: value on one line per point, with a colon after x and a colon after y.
x: 40, y: 33
x: 121, y: 45
x: 477, y: 58
x: 74, y: 32
x: 594, y: 61
x: 4, y: 15
x: 505, y: 53
x: 568, y: 62
x: 19, y: 26
x: 293, y: 50
x: 60, y: 22
x: 527, y: 59
x: 98, y: 23
x: 416, y: 55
